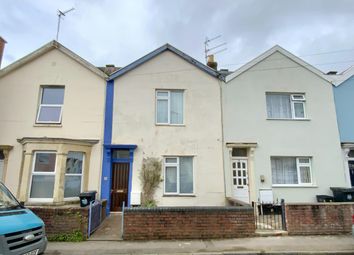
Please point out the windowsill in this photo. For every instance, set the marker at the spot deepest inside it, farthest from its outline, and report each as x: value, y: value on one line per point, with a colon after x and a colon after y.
x: 306, y: 119
x: 170, y: 125
x: 294, y: 186
x: 179, y: 195
x: 47, y: 125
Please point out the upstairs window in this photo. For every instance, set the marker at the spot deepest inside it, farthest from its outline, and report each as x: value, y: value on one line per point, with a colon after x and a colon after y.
x: 285, y: 106
x: 169, y: 107
x: 51, y: 105
x: 291, y: 170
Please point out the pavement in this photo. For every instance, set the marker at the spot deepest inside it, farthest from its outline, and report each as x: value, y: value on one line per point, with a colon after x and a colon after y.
x: 256, y: 245
x: 110, y: 229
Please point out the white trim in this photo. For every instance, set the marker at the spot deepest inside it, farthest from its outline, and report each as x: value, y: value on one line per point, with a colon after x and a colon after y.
x: 41, y: 173
x: 168, y: 98
x: 269, y: 52
x: 82, y: 176
x: 177, y: 165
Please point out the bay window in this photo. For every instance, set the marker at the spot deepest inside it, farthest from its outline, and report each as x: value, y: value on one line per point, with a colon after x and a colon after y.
x: 73, y: 174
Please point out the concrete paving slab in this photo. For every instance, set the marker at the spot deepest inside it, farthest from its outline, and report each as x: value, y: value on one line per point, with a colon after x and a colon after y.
x: 259, y: 245
x: 109, y: 230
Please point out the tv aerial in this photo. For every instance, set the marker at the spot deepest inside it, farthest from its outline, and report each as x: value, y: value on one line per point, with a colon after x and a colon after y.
x: 208, y: 49
x: 60, y: 15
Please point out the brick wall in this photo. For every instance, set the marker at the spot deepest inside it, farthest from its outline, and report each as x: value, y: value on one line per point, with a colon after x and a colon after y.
x: 319, y: 219
x: 62, y: 219
x: 188, y: 223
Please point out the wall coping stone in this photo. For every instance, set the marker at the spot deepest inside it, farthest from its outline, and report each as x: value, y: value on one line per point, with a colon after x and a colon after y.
x: 324, y: 204
x: 188, y: 209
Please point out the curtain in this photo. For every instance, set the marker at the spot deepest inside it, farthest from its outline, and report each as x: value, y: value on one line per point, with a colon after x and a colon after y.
x: 171, y: 179
x: 162, y: 113
x: 284, y: 171
x: 278, y: 106
x: 186, y: 174
x: 176, y: 107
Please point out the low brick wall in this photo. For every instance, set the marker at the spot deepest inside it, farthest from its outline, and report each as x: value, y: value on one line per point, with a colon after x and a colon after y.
x: 63, y: 219
x: 319, y: 218
x: 188, y: 223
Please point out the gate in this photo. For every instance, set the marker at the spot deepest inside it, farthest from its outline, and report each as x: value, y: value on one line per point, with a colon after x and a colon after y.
x: 270, y: 216
x: 94, y: 217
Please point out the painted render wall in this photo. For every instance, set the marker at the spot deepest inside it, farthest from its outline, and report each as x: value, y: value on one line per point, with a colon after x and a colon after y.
x: 245, y: 120
x: 83, y: 112
x: 344, y: 100
x: 201, y: 136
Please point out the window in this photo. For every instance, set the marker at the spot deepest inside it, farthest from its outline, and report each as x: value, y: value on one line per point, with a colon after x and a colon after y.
x: 285, y: 106
x: 179, y: 175
x: 73, y: 174
x: 291, y: 170
x: 121, y: 154
x: 2, y: 158
x: 239, y: 152
x: 43, y: 175
x: 169, y: 107
x: 51, y: 105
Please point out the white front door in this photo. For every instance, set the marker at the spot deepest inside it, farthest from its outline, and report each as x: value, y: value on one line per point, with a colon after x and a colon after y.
x: 240, y: 179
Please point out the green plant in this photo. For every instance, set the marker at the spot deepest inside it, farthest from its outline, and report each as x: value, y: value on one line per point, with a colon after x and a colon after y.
x: 75, y: 236
x: 150, y: 177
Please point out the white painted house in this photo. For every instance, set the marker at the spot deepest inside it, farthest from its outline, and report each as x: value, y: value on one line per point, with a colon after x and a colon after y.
x: 281, y: 138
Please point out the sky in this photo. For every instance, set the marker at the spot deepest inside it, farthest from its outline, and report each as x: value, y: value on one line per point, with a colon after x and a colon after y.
x: 118, y: 32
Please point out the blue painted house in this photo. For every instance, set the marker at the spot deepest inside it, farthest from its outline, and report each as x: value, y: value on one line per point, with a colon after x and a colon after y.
x: 344, y: 100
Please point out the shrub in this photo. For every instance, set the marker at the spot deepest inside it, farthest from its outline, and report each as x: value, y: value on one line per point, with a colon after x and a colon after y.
x: 150, y: 176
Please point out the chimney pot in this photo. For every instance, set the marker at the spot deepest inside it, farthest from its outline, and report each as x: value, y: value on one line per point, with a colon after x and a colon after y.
x: 211, y: 62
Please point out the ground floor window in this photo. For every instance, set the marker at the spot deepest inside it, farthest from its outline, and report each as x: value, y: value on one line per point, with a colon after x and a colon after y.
x: 291, y: 170
x: 178, y: 172
x: 73, y: 174
x: 43, y: 175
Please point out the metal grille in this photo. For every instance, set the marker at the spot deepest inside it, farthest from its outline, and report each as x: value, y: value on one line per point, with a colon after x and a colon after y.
x: 16, y: 240
x: 94, y: 216
x: 270, y: 216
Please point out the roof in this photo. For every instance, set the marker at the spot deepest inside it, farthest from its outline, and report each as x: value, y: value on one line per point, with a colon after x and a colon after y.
x: 166, y: 47
x: 269, y: 52
x: 43, y: 50
x: 338, y: 79
x: 108, y: 69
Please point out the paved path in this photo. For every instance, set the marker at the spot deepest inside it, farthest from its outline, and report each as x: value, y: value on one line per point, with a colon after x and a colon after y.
x: 109, y: 230
x: 258, y: 245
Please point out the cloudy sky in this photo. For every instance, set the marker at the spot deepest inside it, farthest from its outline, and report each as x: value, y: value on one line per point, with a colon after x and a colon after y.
x: 118, y: 32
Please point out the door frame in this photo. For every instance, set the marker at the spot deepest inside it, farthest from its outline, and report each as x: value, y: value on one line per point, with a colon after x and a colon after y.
x: 248, y: 179
x: 107, y: 168
x: 346, y: 148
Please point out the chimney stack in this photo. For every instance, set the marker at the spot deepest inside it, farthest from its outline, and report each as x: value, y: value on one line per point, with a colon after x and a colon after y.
x: 211, y: 63
x: 2, y: 47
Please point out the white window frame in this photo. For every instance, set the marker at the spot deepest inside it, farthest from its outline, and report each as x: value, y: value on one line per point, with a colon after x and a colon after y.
x: 49, y: 105
x: 293, y: 101
x: 42, y: 173
x: 82, y: 177
x: 176, y: 164
x: 298, y: 165
x: 168, y: 98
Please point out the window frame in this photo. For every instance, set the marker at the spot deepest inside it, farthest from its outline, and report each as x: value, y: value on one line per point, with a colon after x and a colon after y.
x: 49, y: 105
x: 168, y: 98
x: 30, y: 199
x: 177, y: 165
x: 293, y: 101
x: 82, y: 176
x: 298, y: 165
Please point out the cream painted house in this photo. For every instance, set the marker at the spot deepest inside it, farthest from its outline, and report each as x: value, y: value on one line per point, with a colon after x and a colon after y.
x: 164, y: 105
x: 281, y: 138
x: 51, y: 125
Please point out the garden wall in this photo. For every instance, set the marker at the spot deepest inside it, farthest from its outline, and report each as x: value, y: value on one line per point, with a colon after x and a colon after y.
x: 63, y: 220
x: 188, y: 223
x: 319, y: 218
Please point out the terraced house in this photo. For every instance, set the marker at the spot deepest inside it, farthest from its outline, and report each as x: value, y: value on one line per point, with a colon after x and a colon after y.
x: 51, y: 125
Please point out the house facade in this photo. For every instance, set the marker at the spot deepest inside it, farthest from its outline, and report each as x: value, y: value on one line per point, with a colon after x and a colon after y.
x: 281, y: 137
x: 344, y: 100
x: 51, y: 125
x: 165, y: 105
